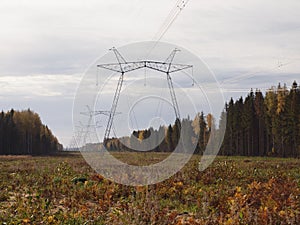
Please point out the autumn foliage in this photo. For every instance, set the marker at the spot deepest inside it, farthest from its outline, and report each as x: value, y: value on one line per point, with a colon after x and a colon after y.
x: 233, y: 190
x: 22, y: 132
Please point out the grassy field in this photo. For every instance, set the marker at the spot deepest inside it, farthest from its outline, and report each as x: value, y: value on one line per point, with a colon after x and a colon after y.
x: 233, y: 190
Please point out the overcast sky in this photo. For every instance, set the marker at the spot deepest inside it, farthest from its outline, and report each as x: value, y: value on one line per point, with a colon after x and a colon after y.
x: 46, y: 46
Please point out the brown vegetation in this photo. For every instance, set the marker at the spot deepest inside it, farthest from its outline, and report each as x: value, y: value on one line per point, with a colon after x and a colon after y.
x: 233, y: 190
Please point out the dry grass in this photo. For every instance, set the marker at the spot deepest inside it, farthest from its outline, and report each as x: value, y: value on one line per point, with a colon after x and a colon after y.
x: 233, y: 190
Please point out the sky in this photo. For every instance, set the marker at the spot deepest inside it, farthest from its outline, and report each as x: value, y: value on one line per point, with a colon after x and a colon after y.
x: 47, y: 46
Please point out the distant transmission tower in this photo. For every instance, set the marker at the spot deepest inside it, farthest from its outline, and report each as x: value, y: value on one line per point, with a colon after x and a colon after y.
x: 91, y: 114
x: 123, y: 67
x: 85, y: 129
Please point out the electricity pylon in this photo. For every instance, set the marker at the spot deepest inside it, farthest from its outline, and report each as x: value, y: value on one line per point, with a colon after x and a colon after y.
x: 123, y: 67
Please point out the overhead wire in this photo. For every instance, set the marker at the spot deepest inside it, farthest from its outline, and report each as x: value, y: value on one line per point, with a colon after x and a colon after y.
x: 170, y: 19
x: 251, y: 74
x: 168, y: 22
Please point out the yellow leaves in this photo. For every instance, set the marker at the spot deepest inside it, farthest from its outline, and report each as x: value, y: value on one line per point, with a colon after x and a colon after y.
x: 139, y: 189
x: 230, y: 221
x: 76, y: 215
x: 231, y: 201
x: 26, y: 221
x: 186, y: 191
x: 254, y: 185
x: 50, y: 219
x: 267, y: 199
x: 282, y: 213
x: 264, y: 212
x: 238, y: 198
x: 178, y: 184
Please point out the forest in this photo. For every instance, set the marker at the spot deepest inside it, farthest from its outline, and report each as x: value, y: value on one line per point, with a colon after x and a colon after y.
x: 22, y: 133
x: 260, y: 125
x: 264, y: 125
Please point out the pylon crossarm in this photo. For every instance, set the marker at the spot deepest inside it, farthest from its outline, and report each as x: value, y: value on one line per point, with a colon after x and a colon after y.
x: 177, y: 68
x: 95, y: 113
x: 131, y: 66
x: 166, y: 68
x: 158, y: 66
x: 113, y: 67
x: 123, y: 67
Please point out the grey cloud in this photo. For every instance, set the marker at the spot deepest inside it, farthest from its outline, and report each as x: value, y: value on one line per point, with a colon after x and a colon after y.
x: 63, y: 37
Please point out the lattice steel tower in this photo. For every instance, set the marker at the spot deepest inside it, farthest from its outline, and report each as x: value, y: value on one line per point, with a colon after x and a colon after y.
x: 123, y: 67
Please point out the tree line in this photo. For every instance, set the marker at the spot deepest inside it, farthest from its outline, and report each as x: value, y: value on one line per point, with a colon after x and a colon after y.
x: 264, y: 125
x: 259, y: 125
x: 167, y: 138
x: 22, y: 132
